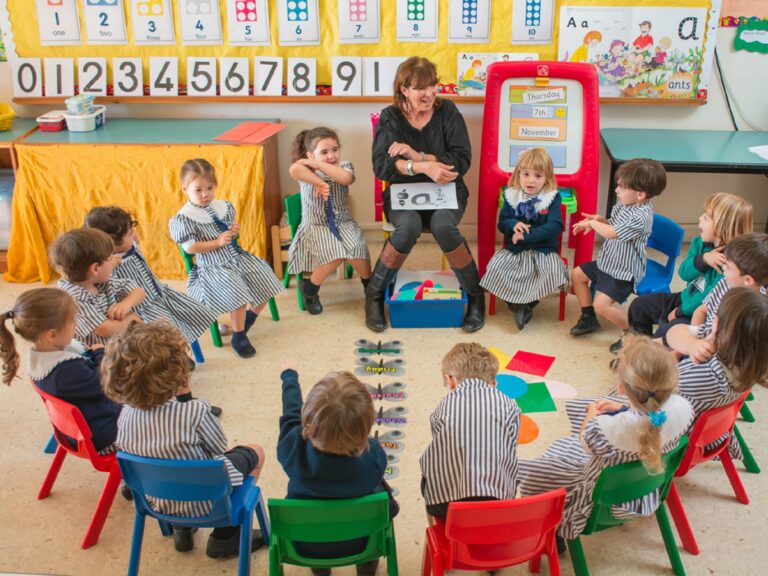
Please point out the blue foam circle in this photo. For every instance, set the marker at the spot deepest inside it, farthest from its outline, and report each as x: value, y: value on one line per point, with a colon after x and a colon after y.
x: 512, y: 386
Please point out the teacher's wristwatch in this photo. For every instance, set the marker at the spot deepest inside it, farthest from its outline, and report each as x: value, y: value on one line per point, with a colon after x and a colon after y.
x: 409, y: 168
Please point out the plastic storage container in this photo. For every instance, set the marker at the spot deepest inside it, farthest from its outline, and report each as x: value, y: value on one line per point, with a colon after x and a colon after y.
x: 80, y: 104
x: 86, y: 122
x: 52, y: 121
x: 6, y: 117
x: 425, y: 313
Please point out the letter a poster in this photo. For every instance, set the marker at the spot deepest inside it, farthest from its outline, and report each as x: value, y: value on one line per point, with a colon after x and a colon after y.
x: 638, y: 52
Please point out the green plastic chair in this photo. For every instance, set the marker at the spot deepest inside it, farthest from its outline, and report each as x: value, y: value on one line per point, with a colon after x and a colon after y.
x: 745, y: 412
x: 189, y: 262
x: 623, y: 483
x: 293, y: 215
x: 330, y: 521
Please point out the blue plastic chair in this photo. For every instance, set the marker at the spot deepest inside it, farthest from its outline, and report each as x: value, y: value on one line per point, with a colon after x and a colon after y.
x: 666, y: 237
x: 192, y: 480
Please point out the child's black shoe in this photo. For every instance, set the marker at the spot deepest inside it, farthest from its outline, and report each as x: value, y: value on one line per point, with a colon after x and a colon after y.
x: 311, y: 301
x: 183, y: 538
x: 242, y: 346
x: 230, y: 547
x: 561, y: 545
x: 616, y: 347
x: 587, y: 323
x: 126, y: 493
x: 523, y: 315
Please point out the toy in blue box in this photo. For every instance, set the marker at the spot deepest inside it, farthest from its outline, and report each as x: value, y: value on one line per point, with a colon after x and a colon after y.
x: 411, y: 306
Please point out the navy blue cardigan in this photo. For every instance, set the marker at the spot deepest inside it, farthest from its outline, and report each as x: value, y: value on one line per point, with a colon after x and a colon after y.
x: 544, y: 230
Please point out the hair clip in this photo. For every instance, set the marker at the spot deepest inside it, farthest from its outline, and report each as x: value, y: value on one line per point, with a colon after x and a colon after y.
x: 8, y: 315
x: 657, y: 418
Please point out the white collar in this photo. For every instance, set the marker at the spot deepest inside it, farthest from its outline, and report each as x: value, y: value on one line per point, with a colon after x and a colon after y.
x: 514, y: 196
x: 42, y: 363
x: 198, y: 214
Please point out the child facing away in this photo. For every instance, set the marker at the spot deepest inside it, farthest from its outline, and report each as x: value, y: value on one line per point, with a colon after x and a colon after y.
x: 326, y: 450
x: 327, y: 234
x: 226, y: 278
x: 145, y: 368
x: 621, y: 263
x: 59, y: 365
x: 746, y: 265
x: 473, y: 452
x: 188, y: 315
x: 529, y: 267
x: 725, y: 217
x: 646, y: 423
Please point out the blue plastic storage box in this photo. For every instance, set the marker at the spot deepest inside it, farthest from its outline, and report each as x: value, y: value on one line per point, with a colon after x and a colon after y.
x: 425, y: 313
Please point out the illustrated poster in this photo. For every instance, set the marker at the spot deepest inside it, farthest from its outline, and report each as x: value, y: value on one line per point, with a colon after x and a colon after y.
x: 469, y: 21
x: 417, y: 20
x: 638, y: 52
x: 58, y: 22
x: 532, y: 21
x: 105, y: 22
x: 200, y: 22
x: 359, y: 22
x: 472, y: 69
x: 153, y: 22
x: 298, y: 23
x: 248, y: 22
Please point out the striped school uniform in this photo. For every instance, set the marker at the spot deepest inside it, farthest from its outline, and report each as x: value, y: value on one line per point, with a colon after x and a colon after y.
x: 712, y: 301
x: 188, y: 315
x: 177, y: 431
x: 92, y: 308
x: 226, y: 278
x: 576, y: 462
x: 473, y: 452
x: 531, y: 269
x: 315, y: 242
x: 624, y: 257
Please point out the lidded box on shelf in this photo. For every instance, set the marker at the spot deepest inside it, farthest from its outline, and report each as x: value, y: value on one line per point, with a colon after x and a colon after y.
x: 52, y: 121
x: 86, y: 122
x: 80, y: 104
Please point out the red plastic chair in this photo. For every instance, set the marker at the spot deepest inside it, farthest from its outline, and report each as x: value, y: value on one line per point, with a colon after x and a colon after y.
x: 710, y: 426
x: 563, y: 293
x: 491, y: 535
x: 68, y: 423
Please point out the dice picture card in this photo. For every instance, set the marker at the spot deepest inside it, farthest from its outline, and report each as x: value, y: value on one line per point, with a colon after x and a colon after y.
x: 152, y: 22
x: 58, y: 22
x: 298, y: 23
x: 469, y: 21
x: 105, y: 22
x: 248, y: 22
x: 200, y: 22
x: 359, y: 22
x: 532, y: 21
x: 417, y: 20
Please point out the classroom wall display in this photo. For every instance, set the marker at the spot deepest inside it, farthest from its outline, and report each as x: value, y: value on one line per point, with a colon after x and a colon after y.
x: 200, y: 22
x: 298, y: 22
x: 469, y: 21
x: 105, y: 22
x: 532, y: 21
x: 248, y: 22
x: 58, y: 21
x: 472, y: 69
x: 152, y: 22
x: 737, y: 12
x: 3, y: 56
x: 416, y: 20
x: 359, y: 22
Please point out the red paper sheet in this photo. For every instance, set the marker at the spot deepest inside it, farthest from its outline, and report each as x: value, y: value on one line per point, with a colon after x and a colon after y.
x: 263, y: 133
x: 240, y: 131
x: 530, y: 363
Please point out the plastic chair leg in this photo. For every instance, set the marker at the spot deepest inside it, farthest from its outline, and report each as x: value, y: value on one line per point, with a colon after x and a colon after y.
x: 750, y: 397
x: 216, y: 335
x: 51, y: 446
x: 392, y: 568
x: 563, y: 296
x: 534, y: 565
x: 669, y: 540
x: 749, y: 461
x: 136, y: 542
x: 166, y: 529
x: 492, y: 305
x: 287, y: 280
x: 102, y: 508
x: 746, y: 413
x: 244, y: 561
x: 275, y: 568
x: 733, y: 477
x: 554, y: 563
x: 681, y: 521
x: 577, y: 557
x: 426, y: 561
x: 348, y: 271
x: 298, y: 292
x: 197, y: 352
x: 273, y: 310
x: 53, y: 472
x: 263, y: 519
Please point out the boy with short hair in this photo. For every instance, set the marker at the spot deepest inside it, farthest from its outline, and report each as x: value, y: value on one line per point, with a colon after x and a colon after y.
x: 621, y: 263
x: 473, y: 453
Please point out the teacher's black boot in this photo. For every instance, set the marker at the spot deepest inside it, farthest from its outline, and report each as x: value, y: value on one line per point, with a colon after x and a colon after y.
x: 464, y: 267
x: 389, y: 262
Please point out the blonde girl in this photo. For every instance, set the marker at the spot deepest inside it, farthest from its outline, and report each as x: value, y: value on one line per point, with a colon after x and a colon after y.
x: 226, y: 278
x: 528, y: 267
x: 327, y: 234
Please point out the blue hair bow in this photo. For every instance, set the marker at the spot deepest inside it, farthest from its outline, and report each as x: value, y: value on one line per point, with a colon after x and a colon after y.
x: 657, y: 418
x: 527, y: 210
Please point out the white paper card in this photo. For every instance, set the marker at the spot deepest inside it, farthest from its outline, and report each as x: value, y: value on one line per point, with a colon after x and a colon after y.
x: 417, y: 20
x: 302, y: 76
x: 201, y: 76
x: 267, y: 76
x: 127, y: 77
x: 379, y: 75
x: 105, y: 22
x: 92, y: 76
x: 298, y: 23
x: 163, y: 76
x: 233, y: 77
x: 347, y: 75
x: 200, y: 22
x: 469, y: 21
x: 359, y: 22
x: 423, y: 196
x: 59, y: 76
x: 248, y: 22
x: 153, y: 22
x: 27, y: 77
x: 532, y: 21
x: 58, y: 22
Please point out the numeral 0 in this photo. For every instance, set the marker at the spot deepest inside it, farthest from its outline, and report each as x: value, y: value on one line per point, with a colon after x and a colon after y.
x: 32, y: 77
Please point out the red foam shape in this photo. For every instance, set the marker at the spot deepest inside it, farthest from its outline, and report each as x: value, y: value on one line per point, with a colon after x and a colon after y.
x: 531, y: 363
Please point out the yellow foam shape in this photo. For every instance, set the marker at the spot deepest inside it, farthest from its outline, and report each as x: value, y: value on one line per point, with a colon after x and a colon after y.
x: 503, y: 358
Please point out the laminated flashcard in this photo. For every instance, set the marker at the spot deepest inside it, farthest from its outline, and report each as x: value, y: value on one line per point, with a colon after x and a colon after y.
x: 472, y: 69
x: 59, y: 76
x: 469, y: 21
x: 27, y: 77
x: 369, y: 367
x: 532, y: 21
x: 298, y: 23
x: 346, y: 74
x: 365, y: 347
x: 248, y: 22
x: 417, y: 20
x: 200, y: 22
x: 393, y: 417
x: 302, y: 76
x: 379, y: 74
x: 58, y: 22
x: 359, y: 22
x: 391, y: 472
x: 164, y: 76
x: 152, y: 22
x: 233, y: 77
x: 105, y: 22
x: 392, y: 392
x: 92, y: 76
x: 127, y: 77
x: 201, y: 76
x: 424, y: 196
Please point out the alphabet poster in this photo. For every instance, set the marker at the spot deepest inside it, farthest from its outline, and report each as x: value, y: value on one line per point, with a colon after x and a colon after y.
x: 638, y: 52
x: 105, y: 22
x: 472, y: 69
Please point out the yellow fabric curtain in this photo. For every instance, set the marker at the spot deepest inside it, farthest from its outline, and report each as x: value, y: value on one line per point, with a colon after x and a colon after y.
x: 57, y: 185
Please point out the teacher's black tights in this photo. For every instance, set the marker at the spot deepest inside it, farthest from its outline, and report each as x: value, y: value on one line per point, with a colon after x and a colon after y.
x: 444, y: 225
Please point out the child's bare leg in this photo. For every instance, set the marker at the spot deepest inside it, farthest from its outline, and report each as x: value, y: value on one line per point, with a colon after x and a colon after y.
x: 238, y: 319
x: 323, y: 272
x: 580, y: 283
x: 362, y: 267
x: 259, y: 308
x: 609, y: 309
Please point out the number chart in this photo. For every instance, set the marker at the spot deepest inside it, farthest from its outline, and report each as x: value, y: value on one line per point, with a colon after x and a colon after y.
x: 200, y: 22
x: 105, y: 22
x: 248, y: 22
x: 298, y: 22
x: 359, y: 22
x: 58, y: 21
x: 417, y: 20
x: 469, y: 21
x: 532, y: 21
x: 153, y: 22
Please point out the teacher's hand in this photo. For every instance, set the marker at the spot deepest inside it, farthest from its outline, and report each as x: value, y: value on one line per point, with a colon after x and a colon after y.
x: 437, y: 171
x: 399, y: 149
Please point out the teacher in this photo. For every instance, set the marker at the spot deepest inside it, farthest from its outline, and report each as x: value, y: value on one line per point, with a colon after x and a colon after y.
x: 422, y: 138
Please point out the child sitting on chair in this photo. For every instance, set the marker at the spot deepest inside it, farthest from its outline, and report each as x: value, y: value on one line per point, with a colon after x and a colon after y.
x: 325, y: 449
x: 473, y: 453
x: 145, y: 368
